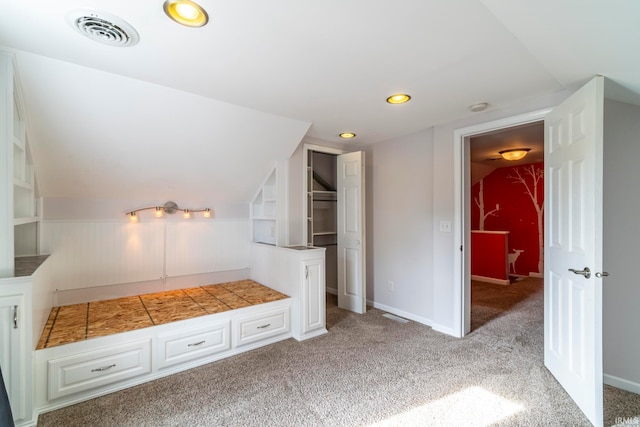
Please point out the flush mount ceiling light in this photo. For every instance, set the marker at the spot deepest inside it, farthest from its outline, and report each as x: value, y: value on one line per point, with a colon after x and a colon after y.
x: 186, y: 12
x: 102, y: 27
x: 398, y: 98
x: 347, y: 135
x: 515, y: 153
x: 476, y: 108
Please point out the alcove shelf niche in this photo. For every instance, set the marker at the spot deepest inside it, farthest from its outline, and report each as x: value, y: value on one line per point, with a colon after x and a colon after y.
x: 268, y: 208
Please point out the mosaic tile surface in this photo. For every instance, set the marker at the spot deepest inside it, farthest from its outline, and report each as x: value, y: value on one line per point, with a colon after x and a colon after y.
x: 78, y: 322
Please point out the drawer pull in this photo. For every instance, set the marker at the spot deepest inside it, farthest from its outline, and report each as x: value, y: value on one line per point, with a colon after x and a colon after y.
x: 195, y: 344
x: 264, y: 326
x: 104, y: 368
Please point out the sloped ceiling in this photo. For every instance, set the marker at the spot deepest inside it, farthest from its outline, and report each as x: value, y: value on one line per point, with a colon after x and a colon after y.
x: 207, y: 111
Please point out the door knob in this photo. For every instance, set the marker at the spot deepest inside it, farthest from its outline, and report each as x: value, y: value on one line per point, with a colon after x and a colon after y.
x: 586, y: 272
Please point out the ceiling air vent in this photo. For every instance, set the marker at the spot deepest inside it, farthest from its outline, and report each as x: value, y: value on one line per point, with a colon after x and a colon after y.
x: 103, y: 28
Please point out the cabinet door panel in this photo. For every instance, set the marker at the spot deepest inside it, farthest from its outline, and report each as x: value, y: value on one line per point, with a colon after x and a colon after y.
x: 12, y: 352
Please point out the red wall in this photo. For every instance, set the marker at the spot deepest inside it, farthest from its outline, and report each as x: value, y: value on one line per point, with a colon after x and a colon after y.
x: 517, y: 213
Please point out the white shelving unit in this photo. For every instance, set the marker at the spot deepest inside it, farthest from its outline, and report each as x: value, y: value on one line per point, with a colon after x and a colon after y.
x: 322, y: 204
x: 268, y: 208
x: 25, y: 207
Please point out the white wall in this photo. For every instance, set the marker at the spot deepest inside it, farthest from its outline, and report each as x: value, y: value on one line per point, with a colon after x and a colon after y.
x: 621, y: 292
x: 410, y: 190
x: 93, y: 245
x: 399, y: 179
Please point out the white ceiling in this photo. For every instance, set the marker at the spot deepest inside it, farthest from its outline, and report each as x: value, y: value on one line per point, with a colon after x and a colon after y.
x: 205, y: 111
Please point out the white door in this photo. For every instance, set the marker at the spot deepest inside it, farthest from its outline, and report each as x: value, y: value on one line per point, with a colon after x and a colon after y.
x: 351, y: 243
x: 573, y: 232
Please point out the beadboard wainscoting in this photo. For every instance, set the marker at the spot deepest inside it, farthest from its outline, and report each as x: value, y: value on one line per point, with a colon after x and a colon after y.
x: 92, y: 253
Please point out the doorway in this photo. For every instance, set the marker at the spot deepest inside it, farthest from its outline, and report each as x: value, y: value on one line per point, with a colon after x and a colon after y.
x: 506, y: 199
x: 334, y: 215
x: 462, y: 210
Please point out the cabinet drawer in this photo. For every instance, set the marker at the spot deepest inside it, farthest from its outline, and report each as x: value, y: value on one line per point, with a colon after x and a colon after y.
x: 81, y: 372
x: 191, y: 344
x: 261, y: 325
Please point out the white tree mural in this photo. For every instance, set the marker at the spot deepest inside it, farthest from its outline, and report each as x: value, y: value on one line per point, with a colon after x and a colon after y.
x: 531, y: 178
x: 480, y: 202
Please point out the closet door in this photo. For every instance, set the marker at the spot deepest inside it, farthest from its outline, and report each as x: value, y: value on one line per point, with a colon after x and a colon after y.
x: 351, y: 238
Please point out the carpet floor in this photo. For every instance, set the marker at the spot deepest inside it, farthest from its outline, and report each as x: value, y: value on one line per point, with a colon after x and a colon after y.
x: 370, y: 370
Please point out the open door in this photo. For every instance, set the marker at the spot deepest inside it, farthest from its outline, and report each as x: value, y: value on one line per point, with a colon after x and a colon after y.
x: 351, y: 237
x: 573, y: 259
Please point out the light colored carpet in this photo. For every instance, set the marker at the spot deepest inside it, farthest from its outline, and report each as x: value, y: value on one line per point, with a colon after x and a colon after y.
x: 368, y: 371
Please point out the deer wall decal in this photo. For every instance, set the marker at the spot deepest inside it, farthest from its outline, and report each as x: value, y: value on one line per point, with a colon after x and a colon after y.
x: 513, y: 257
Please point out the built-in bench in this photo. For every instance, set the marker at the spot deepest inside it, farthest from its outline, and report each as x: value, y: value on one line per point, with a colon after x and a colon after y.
x: 152, y: 336
x: 96, y: 353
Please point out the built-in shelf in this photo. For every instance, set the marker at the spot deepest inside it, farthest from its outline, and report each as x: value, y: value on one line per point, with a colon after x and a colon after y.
x: 25, y: 220
x: 267, y: 208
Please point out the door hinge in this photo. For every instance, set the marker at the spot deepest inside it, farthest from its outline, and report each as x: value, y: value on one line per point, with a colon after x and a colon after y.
x: 460, y: 248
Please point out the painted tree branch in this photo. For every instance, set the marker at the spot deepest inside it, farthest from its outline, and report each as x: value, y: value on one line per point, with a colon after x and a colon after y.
x: 480, y: 203
x: 536, y: 175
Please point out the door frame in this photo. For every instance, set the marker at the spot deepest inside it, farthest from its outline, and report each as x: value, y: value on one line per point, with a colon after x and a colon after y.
x: 462, y: 212
x: 306, y: 147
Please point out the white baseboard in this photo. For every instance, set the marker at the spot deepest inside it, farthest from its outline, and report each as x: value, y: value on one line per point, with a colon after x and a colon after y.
x: 334, y: 291
x: 490, y: 280
x: 401, y: 313
x: 621, y: 383
x: 121, y: 290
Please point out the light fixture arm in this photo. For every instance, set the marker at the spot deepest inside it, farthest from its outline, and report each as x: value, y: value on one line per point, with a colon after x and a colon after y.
x: 169, y: 208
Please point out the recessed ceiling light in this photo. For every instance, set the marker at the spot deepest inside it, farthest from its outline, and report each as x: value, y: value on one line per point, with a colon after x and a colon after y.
x: 398, y: 98
x: 347, y: 135
x: 186, y: 12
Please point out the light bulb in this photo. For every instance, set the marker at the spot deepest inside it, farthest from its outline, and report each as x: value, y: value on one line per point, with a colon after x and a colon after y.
x: 133, y: 216
x: 159, y: 212
x: 207, y: 213
x: 187, y: 11
x: 187, y: 214
x: 399, y: 98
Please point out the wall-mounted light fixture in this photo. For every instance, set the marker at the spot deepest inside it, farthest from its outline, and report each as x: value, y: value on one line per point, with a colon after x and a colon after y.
x: 515, y: 153
x: 168, y: 208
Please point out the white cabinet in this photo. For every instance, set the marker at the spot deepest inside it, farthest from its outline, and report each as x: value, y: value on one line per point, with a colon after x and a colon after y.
x: 269, y: 207
x: 313, y: 295
x: 259, y: 326
x: 297, y: 271
x: 15, y: 350
x: 72, y: 373
x: 190, y: 344
x: 98, y: 368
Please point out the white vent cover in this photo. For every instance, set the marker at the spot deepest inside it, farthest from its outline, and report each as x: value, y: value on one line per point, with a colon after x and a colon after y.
x: 103, y: 27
